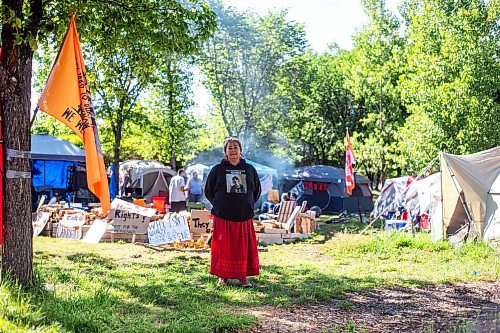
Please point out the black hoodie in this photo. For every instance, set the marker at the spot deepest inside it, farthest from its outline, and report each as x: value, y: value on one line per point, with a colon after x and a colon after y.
x: 233, y: 190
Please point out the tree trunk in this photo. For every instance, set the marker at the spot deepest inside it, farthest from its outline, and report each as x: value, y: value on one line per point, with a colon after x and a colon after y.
x: 171, y: 111
x: 116, y: 157
x: 17, y: 247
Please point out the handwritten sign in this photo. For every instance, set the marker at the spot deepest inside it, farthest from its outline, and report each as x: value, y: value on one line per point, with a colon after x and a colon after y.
x: 70, y: 227
x: 127, y: 222
x: 40, y: 222
x: 95, y: 232
x: 200, y: 222
x: 168, y: 230
x: 118, y: 204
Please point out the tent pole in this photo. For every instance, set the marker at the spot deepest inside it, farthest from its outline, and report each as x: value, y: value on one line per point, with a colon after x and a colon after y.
x: 466, y: 209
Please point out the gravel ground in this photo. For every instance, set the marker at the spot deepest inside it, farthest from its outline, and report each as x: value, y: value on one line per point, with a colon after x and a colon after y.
x: 462, y: 307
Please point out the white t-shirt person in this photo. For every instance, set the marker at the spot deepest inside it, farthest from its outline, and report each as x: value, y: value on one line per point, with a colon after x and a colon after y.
x: 176, y: 191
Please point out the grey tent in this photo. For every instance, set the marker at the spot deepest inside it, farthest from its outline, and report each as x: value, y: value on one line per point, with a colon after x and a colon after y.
x: 148, y: 176
x: 324, y: 186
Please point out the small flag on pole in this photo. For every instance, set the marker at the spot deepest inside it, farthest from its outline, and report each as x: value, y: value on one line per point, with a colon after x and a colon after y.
x: 349, y: 161
x: 67, y: 98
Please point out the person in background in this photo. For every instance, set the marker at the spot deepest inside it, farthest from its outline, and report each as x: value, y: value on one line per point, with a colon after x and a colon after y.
x: 234, y: 252
x: 195, y: 188
x: 176, y: 191
x: 125, y: 181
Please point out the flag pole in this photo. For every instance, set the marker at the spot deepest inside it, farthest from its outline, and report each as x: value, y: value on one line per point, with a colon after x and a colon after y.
x: 34, y: 116
x: 357, y: 198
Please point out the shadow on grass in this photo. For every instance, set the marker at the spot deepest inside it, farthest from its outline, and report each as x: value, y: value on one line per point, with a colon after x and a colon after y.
x: 176, y: 295
x: 182, y: 287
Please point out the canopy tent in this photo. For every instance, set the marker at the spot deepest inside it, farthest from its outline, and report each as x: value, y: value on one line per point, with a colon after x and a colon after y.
x: 470, y: 192
x: 49, y: 148
x: 55, y: 165
x: 324, y: 186
x: 148, y: 177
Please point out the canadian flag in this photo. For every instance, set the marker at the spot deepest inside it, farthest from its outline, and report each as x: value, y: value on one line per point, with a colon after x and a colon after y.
x: 349, y: 161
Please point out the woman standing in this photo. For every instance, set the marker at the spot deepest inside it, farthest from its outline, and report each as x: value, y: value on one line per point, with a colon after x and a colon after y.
x: 234, y: 244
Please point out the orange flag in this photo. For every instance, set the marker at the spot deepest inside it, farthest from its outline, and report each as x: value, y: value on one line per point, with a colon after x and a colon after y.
x: 67, y: 98
x: 349, y: 160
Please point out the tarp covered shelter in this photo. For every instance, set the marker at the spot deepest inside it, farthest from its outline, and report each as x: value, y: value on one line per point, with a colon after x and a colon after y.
x: 391, y: 196
x: 420, y: 195
x: 324, y: 186
x: 54, y: 163
x: 475, y: 179
x: 149, y: 176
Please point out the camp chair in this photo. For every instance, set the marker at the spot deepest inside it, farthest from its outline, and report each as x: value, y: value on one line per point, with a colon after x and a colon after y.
x: 286, y: 209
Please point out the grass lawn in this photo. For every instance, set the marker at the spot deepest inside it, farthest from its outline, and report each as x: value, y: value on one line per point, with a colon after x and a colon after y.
x: 128, y: 288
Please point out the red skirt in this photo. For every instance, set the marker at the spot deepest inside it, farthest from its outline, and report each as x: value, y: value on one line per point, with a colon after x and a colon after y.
x: 234, y: 249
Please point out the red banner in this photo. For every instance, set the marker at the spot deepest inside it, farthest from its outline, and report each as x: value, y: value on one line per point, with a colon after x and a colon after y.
x: 316, y: 186
x: 349, y: 160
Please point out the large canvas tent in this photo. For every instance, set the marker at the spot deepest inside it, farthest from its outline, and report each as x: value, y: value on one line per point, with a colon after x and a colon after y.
x: 324, y: 186
x: 148, y: 176
x: 470, y: 192
x: 55, y: 165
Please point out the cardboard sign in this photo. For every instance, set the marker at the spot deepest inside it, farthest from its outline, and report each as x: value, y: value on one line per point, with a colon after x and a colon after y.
x: 200, y: 222
x: 168, y: 230
x: 95, y: 232
x: 118, y: 204
x: 70, y: 227
x: 40, y: 222
x: 129, y: 222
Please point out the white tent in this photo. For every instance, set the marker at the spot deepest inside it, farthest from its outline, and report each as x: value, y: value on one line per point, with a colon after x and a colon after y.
x: 470, y: 192
x: 201, y: 169
x: 150, y: 176
x: 420, y: 194
x: 391, y: 196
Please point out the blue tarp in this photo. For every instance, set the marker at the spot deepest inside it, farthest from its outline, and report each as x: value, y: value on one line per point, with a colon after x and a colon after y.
x: 112, y: 183
x: 51, y: 158
x: 50, y: 173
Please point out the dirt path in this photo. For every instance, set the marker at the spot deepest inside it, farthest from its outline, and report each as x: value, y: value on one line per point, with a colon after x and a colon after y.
x: 440, y: 308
